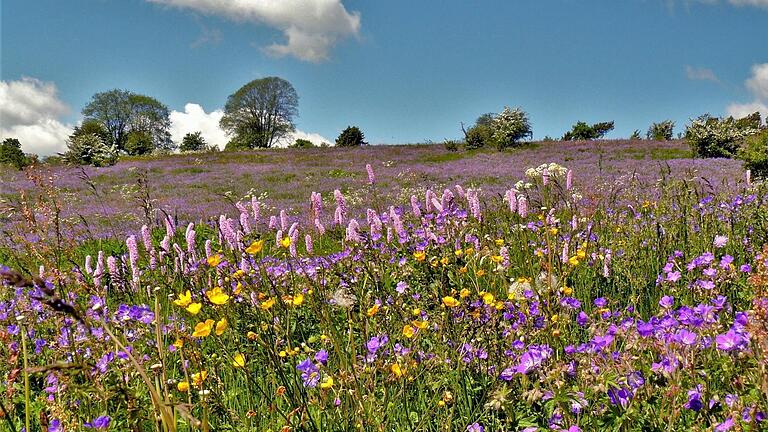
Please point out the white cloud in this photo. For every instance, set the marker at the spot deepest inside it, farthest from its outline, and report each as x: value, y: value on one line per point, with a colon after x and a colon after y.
x: 757, y: 85
x: 700, y: 74
x: 311, y: 27
x: 30, y: 111
x: 742, y: 110
x: 760, y: 3
x: 194, y: 119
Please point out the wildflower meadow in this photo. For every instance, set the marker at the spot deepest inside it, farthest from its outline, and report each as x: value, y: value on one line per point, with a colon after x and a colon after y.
x: 561, y: 302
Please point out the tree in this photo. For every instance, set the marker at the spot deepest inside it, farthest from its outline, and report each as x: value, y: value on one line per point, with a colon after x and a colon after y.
x: 635, y: 135
x: 481, y: 134
x: 754, y: 153
x: 261, y: 112
x: 352, y: 136
x: 193, y: 142
x: 11, y: 154
x: 91, y: 126
x: 121, y: 112
x: 509, y: 127
x: 583, y: 131
x: 715, y: 137
x: 662, y: 131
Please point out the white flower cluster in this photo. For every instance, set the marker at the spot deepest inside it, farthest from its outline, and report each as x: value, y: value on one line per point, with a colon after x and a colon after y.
x: 552, y: 168
x: 724, y: 130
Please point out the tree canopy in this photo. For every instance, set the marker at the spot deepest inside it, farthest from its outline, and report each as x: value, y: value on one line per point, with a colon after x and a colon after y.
x: 261, y: 113
x: 121, y: 112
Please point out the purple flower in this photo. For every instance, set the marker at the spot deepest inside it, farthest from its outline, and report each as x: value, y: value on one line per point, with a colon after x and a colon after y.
x: 310, y: 374
x: 101, y: 423
x: 475, y: 427
x: 620, y: 396
x: 667, y: 302
x: 730, y: 341
x: 725, y: 425
x: 600, y: 302
x: 720, y: 241
x: 322, y: 357
x: 694, y: 399
x: 686, y: 337
x: 401, y: 287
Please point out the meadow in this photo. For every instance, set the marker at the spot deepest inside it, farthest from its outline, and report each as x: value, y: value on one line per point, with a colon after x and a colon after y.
x: 568, y: 286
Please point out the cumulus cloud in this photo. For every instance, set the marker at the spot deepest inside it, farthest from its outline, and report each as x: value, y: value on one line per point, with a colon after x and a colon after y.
x: 29, y: 111
x: 757, y: 85
x: 760, y: 3
x: 311, y: 27
x: 700, y: 74
x: 194, y: 119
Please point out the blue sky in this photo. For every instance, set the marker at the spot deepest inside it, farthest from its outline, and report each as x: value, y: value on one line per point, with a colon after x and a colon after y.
x: 404, y: 71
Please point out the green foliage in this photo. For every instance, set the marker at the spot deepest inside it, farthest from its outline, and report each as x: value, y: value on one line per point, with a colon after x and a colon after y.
x: 138, y: 143
x: 11, y: 154
x: 754, y: 153
x: 583, y: 131
x: 509, y: 127
x: 451, y: 145
x: 352, y: 136
x: 715, y: 137
x: 302, y: 143
x: 662, y: 131
x: 90, y: 149
x: 120, y: 112
x: 193, y: 142
x: 260, y: 113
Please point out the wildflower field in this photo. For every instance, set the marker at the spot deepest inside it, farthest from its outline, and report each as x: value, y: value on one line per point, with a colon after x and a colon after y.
x: 580, y: 286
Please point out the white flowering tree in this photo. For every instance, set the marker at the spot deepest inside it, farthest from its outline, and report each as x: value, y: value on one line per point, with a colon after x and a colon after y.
x: 715, y: 137
x: 509, y: 127
x: 90, y: 149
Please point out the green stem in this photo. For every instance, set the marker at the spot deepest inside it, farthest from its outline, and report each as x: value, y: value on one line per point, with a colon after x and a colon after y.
x: 26, y: 376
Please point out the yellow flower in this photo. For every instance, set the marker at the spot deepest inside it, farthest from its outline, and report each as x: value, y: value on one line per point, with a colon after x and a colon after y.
x: 480, y: 272
x: 285, y: 242
x: 203, y: 329
x: 554, y: 318
x: 556, y: 333
x: 184, y: 299
x: 419, y: 324
x: 239, y: 360
x: 488, y: 298
x: 217, y: 296
x: 251, y: 336
x: 298, y: 299
x: 238, y: 274
x: 444, y: 261
x: 573, y: 261
x: 397, y: 370
x: 372, y: 310
x: 464, y: 293
x: 214, y: 260
x: 553, y: 230
x: 327, y: 383
x: 469, y: 251
x: 458, y: 252
x: 581, y: 254
x: 194, y: 308
x: 463, y: 269
x: 198, y: 378
x: 450, y: 301
x: 497, y: 258
x: 419, y: 255
x: 267, y: 304
x: 567, y: 290
x: 238, y: 289
x: 499, y: 242
x: 178, y: 343
x: 409, y: 331
x: 221, y: 326
x: 182, y: 386
x: 255, y: 247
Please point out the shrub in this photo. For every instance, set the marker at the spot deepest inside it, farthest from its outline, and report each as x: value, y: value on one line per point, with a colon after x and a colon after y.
x: 451, y: 145
x: 583, y: 131
x: 662, y: 131
x: 11, y: 154
x: 352, y: 136
x: 302, y: 143
x: 193, y: 142
x: 90, y: 149
x: 754, y: 153
x: 509, y: 127
x: 715, y: 137
x: 481, y: 134
x: 139, y: 143
x: 635, y: 135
